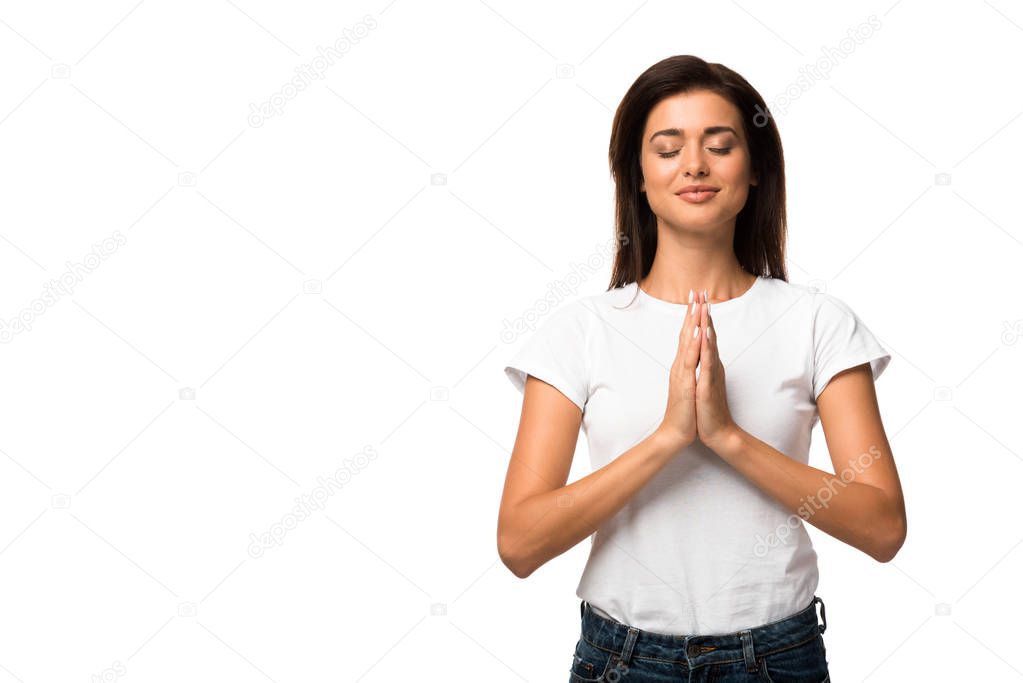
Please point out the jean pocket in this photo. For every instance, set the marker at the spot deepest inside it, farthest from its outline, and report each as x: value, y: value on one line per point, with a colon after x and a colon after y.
x: 804, y: 662
x: 589, y: 663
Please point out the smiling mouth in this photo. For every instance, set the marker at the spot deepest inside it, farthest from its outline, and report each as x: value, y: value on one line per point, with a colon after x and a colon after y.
x: 694, y: 197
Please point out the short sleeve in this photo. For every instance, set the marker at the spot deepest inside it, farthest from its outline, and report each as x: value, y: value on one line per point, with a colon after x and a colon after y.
x: 555, y: 352
x: 841, y: 341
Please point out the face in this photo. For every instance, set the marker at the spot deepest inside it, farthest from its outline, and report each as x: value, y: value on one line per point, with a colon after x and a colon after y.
x: 695, y: 138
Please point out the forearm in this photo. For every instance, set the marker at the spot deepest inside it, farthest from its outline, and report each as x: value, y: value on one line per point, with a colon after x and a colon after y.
x: 546, y: 525
x: 856, y: 513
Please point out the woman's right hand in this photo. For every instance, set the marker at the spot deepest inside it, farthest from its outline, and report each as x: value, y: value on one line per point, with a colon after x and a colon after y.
x: 679, y: 423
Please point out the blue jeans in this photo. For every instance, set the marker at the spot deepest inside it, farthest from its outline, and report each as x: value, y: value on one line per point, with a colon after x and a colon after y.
x: 790, y: 649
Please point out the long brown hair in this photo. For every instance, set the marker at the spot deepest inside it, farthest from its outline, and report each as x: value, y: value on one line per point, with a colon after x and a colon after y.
x: 760, y: 229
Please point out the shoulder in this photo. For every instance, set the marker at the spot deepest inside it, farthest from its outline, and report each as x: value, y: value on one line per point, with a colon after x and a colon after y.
x: 567, y: 319
x: 572, y: 312
x: 811, y: 299
x: 828, y: 309
x: 580, y: 317
x: 613, y: 300
x: 789, y: 291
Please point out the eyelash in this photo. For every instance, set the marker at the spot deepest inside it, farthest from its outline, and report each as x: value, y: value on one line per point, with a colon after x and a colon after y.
x: 716, y: 150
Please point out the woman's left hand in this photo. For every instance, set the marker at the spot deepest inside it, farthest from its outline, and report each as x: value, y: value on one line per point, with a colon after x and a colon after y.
x: 714, y: 422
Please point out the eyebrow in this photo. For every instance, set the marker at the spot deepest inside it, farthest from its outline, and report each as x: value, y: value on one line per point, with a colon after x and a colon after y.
x: 710, y: 130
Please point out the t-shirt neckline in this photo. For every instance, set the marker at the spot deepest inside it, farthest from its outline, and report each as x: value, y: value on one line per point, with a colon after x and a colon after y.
x: 680, y: 309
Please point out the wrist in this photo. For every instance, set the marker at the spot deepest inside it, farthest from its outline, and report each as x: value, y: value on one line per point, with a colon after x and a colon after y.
x: 669, y: 440
x: 728, y: 442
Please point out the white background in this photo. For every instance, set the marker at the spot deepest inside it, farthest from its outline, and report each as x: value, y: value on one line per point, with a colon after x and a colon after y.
x: 276, y: 301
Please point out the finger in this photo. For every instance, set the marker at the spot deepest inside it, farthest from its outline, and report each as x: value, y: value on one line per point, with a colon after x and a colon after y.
x: 691, y: 308
x: 704, y: 305
x: 710, y: 355
x: 686, y: 333
x: 706, y: 309
x: 692, y: 357
x: 712, y: 341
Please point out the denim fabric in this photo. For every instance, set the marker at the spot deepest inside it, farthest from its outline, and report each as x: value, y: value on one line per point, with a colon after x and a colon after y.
x: 790, y: 649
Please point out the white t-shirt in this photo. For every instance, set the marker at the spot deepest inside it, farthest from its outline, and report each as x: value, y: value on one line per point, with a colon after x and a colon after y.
x: 699, y: 549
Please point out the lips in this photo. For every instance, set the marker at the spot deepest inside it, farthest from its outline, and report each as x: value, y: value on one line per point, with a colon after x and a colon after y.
x: 697, y: 194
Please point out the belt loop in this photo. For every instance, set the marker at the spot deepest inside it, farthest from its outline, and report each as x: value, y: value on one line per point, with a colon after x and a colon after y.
x: 630, y: 642
x: 747, y: 650
x: 582, y: 608
x: 824, y: 618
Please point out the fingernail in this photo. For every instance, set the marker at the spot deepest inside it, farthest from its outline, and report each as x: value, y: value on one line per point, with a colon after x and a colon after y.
x: 696, y: 332
x: 708, y: 333
x: 690, y: 296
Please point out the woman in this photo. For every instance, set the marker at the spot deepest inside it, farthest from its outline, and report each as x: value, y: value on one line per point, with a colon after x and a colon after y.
x: 697, y: 378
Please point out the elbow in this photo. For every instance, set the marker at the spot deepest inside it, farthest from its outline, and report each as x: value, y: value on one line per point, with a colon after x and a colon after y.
x: 515, y: 563
x: 890, y: 541
x: 520, y: 571
x: 885, y: 553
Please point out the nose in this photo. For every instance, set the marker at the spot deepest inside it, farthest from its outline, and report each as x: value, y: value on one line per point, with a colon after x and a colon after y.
x: 693, y: 161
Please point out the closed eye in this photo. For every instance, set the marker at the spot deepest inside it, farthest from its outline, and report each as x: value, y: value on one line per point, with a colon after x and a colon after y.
x: 717, y: 150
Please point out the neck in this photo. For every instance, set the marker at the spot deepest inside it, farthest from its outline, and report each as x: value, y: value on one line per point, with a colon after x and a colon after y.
x: 683, y: 263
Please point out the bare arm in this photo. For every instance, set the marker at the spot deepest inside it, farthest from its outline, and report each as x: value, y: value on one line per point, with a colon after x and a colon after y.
x: 541, y: 517
x: 863, y: 505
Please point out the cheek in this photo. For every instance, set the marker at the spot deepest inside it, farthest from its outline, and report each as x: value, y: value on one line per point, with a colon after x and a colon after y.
x: 735, y: 169
x: 658, y: 172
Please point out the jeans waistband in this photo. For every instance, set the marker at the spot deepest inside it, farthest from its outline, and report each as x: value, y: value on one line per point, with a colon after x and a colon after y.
x: 628, y: 642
